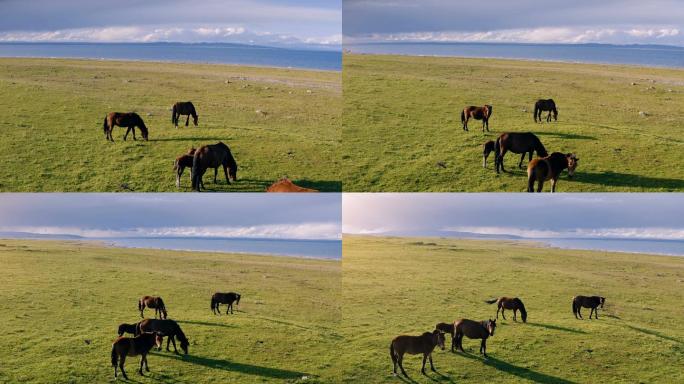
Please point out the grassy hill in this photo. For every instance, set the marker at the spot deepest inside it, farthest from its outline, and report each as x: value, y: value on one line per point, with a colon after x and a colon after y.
x: 52, y: 137
x: 61, y: 303
x: 394, y: 286
x: 402, y: 128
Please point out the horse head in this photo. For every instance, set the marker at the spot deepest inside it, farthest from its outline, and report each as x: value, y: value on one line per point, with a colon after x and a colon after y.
x: 237, y: 299
x: 439, y: 338
x: 572, y: 163
x: 195, y: 118
x: 603, y: 301
x: 184, y: 345
x: 491, y: 326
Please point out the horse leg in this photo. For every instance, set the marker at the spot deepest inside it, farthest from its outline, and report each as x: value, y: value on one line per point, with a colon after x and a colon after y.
x: 515, y: 315
x: 142, y: 363
x: 553, y: 184
x: 225, y: 172
x: 459, y: 342
x: 147, y: 366
x: 141, y: 312
x: 422, y: 368
x: 121, y: 366
x: 596, y: 313
x: 522, y: 157
x: 501, y: 159
x: 432, y: 366
x: 173, y: 340
x: 231, y: 308
x: 465, y: 123
x: 483, y: 348
x: 133, y: 129
x: 541, y: 185
x: 179, y: 173
x: 400, y: 361
x: 503, y: 313
x: 579, y: 312
x: 497, y: 312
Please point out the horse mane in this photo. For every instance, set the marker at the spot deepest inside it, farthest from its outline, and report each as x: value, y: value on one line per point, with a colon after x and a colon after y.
x: 522, y: 306
x: 179, y: 333
x: 140, y: 123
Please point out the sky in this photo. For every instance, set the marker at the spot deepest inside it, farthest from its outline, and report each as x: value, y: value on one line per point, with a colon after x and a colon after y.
x: 244, y: 215
x: 592, y: 216
x: 262, y: 22
x: 519, y: 21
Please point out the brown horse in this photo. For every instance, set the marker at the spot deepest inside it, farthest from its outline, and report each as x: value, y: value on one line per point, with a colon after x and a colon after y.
x: 550, y: 168
x: 165, y: 328
x: 152, y: 302
x: 414, y: 345
x: 592, y: 302
x: 545, y: 105
x: 516, y: 142
x: 132, y: 346
x: 128, y: 328
x: 487, y: 148
x: 127, y: 120
x: 473, y: 330
x: 224, y: 298
x: 211, y: 156
x: 183, y: 108
x: 514, y: 303
x: 183, y: 161
x: 447, y: 328
x: 285, y: 185
x: 478, y: 113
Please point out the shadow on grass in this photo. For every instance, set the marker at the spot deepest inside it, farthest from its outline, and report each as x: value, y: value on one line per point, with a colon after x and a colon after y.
x: 524, y: 373
x: 615, y: 179
x: 205, y: 323
x: 227, y: 365
x: 654, y: 333
x: 568, y: 136
x: 555, y: 327
x: 214, y: 139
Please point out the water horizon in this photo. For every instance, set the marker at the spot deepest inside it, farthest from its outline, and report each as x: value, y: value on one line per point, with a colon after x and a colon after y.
x: 184, y: 53
x: 657, y: 56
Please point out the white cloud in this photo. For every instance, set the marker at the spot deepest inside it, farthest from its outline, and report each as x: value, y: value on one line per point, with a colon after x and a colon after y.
x: 652, y: 233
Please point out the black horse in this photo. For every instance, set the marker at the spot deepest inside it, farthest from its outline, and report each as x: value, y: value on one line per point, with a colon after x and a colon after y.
x: 224, y: 298
x: 516, y: 142
x: 183, y: 108
x: 545, y: 105
x: 212, y: 156
x: 592, y: 302
x: 165, y: 328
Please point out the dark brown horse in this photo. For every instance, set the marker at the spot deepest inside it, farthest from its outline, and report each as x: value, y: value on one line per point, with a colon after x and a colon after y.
x: 514, y: 303
x: 447, y: 328
x: 132, y: 346
x: 126, y: 120
x: 516, y: 142
x: 165, y: 328
x: 414, y: 345
x: 478, y: 113
x: 183, y: 108
x: 550, y: 168
x: 224, y: 298
x: 213, y: 156
x: 487, y: 148
x: 152, y: 302
x: 285, y: 185
x: 128, y: 328
x: 545, y: 105
x: 183, y: 161
x: 473, y: 330
x: 592, y: 302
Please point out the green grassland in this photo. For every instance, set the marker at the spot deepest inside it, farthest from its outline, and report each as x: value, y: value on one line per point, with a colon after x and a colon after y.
x: 52, y: 137
x: 402, y: 129
x: 61, y: 303
x: 394, y: 286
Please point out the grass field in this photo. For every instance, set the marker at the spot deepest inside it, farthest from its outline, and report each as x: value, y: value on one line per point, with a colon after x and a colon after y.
x: 53, y: 112
x: 402, y: 128
x: 61, y: 302
x: 394, y: 286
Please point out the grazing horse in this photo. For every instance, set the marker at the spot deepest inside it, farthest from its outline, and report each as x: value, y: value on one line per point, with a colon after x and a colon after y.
x: 550, y: 168
x: 183, y: 161
x: 183, y: 108
x: 514, y: 303
x: 127, y: 120
x: 592, y: 302
x: 211, y: 156
x: 165, y: 328
x: 447, y: 328
x: 545, y: 105
x: 478, y: 113
x: 473, y: 330
x: 516, y: 142
x: 128, y: 328
x: 285, y: 185
x: 414, y: 345
x: 133, y: 346
x: 224, y: 298
x: 487, y: 148
x: 152, y: 302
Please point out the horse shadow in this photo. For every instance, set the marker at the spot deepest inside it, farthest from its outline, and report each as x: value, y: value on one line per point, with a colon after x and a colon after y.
x: 205, y: 323
x: 523, y: 373
x: 223, y: 139
x: 616, y: 179
x: 566, y: 136
x: 248, y: 369
x: 654, y: 333
x: 556, y: 327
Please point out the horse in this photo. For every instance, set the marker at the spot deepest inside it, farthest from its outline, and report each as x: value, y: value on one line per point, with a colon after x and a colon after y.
x: 473, y: 330
x: 132, y: 346
x: 478, y: 113
x: 183, y: 108
x: 550, y: 168
x: 127, y: 328
x: 224, y: 298
x: 514, y: 303
x: 592, y: 302
x: 516, y: 142
x: 447, y: 328
x: 128, y: 120
x: 183, y: 161
x: 211, y: 156
x: 285, y: 185
x: 545, y: 105
x: 487, y: 148
x: 152, y: 302
x: 165, y: 328
x: 414, y: 345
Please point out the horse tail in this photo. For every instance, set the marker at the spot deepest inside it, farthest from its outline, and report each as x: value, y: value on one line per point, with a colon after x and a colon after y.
x: 574, y: 305
x: 140, y: 305
x: 114, y: 356
x: 195, y: 171
x: 492, y: 301
x: 173, y: 114
x: 531, y: 177
x: 393, y: 354
x: 497, y: 153
x: 213, y: 302
x: 463, y: 116
x: 104, y: 126
x: 536, y: 109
